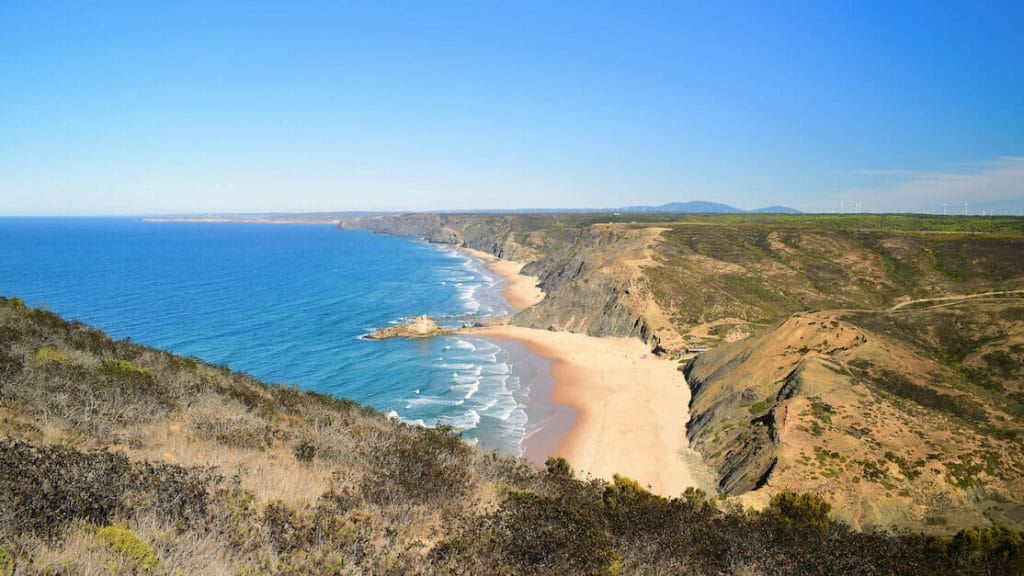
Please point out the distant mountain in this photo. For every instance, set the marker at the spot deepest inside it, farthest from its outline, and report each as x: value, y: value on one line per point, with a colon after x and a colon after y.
x: 705, y: 207
x: 775, y: 210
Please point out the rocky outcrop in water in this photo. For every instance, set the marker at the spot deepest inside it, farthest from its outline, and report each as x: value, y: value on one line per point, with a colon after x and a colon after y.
x: 418, y: 327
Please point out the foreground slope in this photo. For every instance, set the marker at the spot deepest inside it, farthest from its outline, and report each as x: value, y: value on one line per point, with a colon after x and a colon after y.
x: 119, y: 458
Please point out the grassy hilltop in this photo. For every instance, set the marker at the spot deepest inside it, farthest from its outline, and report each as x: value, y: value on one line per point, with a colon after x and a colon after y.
x: 123, y: 459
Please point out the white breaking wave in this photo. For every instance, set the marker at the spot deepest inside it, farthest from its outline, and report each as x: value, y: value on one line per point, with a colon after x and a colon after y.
x: 465, y: 345
x: 465, y: 421
x: 430, y: 401
x: 468, y: 388
x: 417, y: 422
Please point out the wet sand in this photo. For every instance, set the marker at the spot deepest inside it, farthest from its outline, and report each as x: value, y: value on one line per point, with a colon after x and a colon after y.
x: 520, y: 291
x: 614, y: 407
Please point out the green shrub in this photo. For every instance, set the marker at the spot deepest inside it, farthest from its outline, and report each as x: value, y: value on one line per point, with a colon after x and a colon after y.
x: 6, y: 563
x: 758, y: 407
x: 288, y: 529
x: 800, y: 510
x: 1000, y: 548
x: 558, y: 467
x: 623, y: 492
x: 419, y: 465
x: 15, y: 302
x: 116, y: 367
x: 532, y: 534
x: 127, y: 376
x: 47, y: 355
x: 127, y: 546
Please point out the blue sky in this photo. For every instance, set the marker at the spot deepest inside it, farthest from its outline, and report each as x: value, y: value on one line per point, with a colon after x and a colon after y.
x: 194, y: 106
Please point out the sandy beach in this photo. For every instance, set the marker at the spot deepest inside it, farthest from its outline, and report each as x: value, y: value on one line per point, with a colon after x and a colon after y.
x: 520, y: 291
x: 626, y: 408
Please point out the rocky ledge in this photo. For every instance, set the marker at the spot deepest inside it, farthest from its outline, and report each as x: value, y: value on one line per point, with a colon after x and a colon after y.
x: 418, y: 327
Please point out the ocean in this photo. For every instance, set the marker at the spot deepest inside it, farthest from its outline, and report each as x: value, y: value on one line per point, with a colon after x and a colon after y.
x: 288, y: 304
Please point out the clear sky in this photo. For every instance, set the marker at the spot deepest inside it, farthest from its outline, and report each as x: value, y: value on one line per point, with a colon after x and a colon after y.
x: 114, y: 107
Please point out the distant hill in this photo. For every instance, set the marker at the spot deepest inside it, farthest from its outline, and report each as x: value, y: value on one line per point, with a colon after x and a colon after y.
x: 705, y: 207
x: 775, y: 210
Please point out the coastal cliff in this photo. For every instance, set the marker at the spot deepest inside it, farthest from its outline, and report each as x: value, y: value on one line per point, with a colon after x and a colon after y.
x: 899, y: 418
x: 590, y: 275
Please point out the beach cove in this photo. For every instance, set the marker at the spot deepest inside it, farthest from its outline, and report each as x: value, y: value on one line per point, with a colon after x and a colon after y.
x: 618, y: 408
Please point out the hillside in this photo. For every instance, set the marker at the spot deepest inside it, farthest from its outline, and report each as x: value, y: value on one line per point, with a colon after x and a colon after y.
x: 910, y: 417
x: 759, y: 281
x: 122, y: 459
x: 743, y: 276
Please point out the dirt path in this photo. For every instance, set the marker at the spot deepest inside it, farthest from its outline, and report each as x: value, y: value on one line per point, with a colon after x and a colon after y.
x: 950, y: 299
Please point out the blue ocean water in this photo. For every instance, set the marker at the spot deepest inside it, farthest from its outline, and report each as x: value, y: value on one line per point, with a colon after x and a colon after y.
x: 286, y: 304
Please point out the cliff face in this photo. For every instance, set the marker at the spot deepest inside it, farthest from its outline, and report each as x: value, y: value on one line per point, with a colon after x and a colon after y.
x: 489, y: 233
x: 899, y: 418
x: 591, y: 275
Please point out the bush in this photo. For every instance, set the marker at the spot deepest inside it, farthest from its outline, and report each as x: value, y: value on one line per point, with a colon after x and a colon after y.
x: 47, y: 355
x: 14, y: 302
x: 1000, y: 548
x: 6, y: 563
x: 800, y: 510
x: 624, y: 492
x: 288, y: 529
x: 305, y: 451
x: 53, y: 486
x: 535, y: 535
x: 124, y: 375
x: 558, y: 467
x: 129, y: 547
x: 422, y: 465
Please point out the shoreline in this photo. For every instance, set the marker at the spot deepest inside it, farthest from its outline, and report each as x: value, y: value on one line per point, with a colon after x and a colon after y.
x: 615, y: 407
x: 519, y: 290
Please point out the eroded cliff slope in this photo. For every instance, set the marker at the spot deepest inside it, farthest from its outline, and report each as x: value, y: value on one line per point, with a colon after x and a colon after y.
x: 910, y: 417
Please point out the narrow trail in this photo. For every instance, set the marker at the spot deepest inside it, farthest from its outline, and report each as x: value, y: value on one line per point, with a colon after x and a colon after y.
x: 951, y: 299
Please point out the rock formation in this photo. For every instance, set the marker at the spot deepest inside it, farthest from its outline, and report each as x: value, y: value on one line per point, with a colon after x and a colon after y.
x: 418, y: 327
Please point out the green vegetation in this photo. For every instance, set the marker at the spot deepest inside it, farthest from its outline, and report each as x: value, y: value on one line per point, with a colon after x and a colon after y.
x: 879, y: 222
x: 800, y: 510
x: 129, y: 547
x: 6, y: 563
x: 758, y: 407
x: 761, y: 268
x: 558, y: 467
x: 47, y: 355
x: 333, y: 487
x: 305, y: 451
x: 910, y: 470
